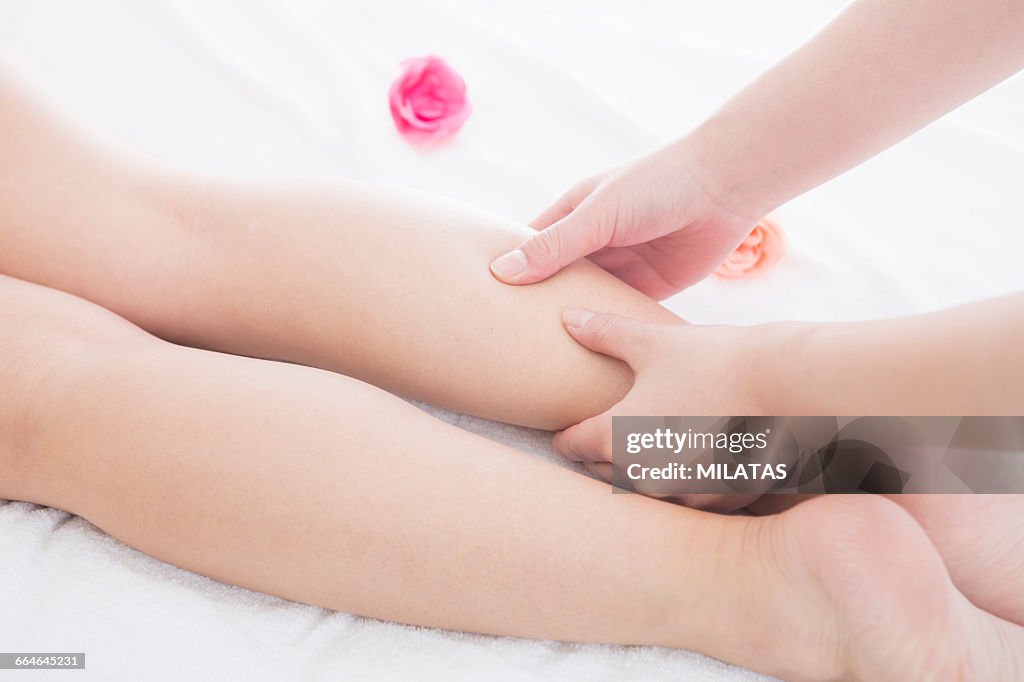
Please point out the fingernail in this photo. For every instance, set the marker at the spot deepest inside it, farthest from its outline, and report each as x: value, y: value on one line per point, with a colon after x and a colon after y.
x: 509, y: 265
x: 576, y: 317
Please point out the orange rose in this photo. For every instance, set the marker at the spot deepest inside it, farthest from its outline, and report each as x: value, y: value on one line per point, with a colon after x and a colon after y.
x: 762, y: 248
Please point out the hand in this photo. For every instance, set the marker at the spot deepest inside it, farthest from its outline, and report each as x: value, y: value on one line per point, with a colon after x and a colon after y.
x: 657, y: 224
x: 680, y: 369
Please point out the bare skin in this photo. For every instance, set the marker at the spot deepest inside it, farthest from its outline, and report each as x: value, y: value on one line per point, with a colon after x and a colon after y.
x: 344, y: 277
x: 202, y: 442
x: 878, y: 72
x: 875, y: 74
x: 213, y: 462
x: 963, y: 361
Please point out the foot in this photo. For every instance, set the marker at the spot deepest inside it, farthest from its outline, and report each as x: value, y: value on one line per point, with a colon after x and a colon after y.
x: 981, y: 541
x: 859, y: 592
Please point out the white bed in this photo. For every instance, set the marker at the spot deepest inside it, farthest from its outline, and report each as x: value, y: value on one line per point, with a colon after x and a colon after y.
x: 560, y: 90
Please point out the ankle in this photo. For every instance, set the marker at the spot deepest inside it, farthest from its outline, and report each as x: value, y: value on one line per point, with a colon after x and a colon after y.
x: 799, y: 633
x: 751, y: 607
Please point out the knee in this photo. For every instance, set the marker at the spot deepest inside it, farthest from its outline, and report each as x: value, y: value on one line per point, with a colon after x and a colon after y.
x: 51, y: 341
x: 47, y: 316
x: 50, y: 331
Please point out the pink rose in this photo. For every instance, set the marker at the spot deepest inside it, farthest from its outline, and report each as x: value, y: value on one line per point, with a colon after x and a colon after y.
x: 758, y: 252
x: 428, y: 100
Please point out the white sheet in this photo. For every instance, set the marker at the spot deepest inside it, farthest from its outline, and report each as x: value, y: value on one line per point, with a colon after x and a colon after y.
x: 560, y: 90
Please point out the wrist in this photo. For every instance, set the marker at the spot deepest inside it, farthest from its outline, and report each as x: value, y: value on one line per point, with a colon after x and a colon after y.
x: 732, y: 370
x: 738, y: 173
x: 778, y: 361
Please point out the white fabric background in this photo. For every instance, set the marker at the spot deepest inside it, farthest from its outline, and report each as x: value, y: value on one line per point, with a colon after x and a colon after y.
x: 272, y: 88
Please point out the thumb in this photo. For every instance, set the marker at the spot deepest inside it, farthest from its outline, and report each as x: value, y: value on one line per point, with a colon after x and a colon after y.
x: 619, y: 337
x: 573, y: 237
x: 588, y: 441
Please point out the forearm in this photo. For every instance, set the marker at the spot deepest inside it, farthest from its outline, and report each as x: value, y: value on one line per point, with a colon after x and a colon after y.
x: 877, y: 73
x: 962, y: 361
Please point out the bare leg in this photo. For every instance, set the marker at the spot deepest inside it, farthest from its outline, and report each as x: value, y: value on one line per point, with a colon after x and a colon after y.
x: 323, y: 489
x: 388, y: 286
x: 190, y: 262
x: 352, y: 279
x: 296, y: 482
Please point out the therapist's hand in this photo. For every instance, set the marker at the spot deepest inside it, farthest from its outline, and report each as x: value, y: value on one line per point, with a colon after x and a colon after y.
x: 658, y: 224
x: 680, y: 369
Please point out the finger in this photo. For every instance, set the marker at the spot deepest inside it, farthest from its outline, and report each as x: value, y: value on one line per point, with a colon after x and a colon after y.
x: 612, y: 257
x: 552, y: 214
x: 627, y: 265
x: 718, y: 503
x: 602, y: 470
x: 575, y: 236
x: 588, y: 441
x: 776, y: 504
x: 565, y: 205
x: 613, y: 335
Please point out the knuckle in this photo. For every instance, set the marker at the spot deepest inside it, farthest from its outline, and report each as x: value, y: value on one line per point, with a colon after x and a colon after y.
x: 546, y: 246
x: 602, y: 328
x: 595, y: 220
x: 575, y: 196
x: 565, y: 445
x: 602, y: 229
x: 600, y: 470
